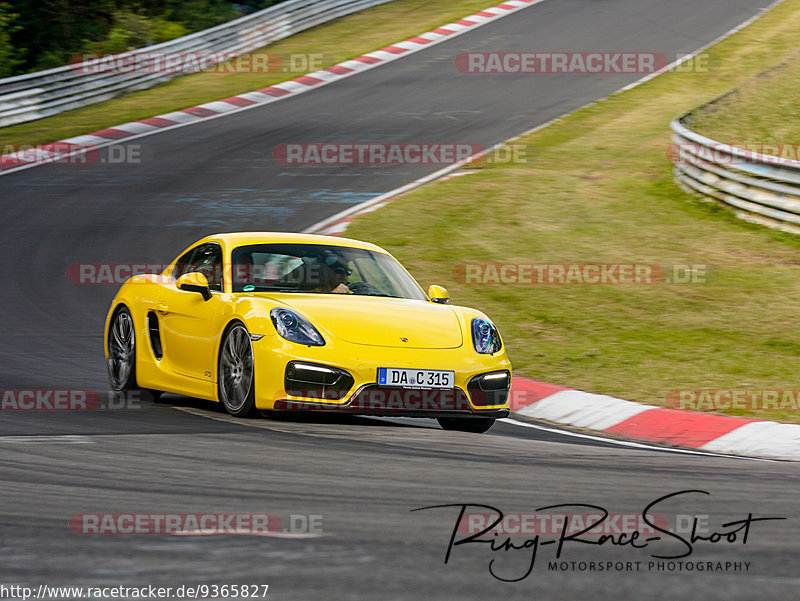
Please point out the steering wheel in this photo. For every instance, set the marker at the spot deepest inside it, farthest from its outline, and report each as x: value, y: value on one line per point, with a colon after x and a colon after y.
x: 365, y: 288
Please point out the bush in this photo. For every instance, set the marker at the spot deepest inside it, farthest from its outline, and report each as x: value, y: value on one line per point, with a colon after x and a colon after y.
x: 61, y: 29
x: 132, y: 30
x: 10, y: 56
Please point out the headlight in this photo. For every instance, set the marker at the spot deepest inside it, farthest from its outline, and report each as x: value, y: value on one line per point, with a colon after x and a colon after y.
x: 295, y: 328
x: 485, y: 337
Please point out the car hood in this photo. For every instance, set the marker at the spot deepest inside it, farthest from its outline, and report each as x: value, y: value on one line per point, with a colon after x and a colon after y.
x: 383, y: 322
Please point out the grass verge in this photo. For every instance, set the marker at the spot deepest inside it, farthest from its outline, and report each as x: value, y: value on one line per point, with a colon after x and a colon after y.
x: 332, y: 43
x: 763, y: 110
x: 600, y: 190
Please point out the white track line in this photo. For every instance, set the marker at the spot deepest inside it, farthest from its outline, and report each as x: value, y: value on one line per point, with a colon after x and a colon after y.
x: 627, y: 443
x: 55, y: 439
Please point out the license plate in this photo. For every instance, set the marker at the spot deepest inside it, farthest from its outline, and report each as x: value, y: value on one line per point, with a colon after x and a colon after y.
x: 416, y: 378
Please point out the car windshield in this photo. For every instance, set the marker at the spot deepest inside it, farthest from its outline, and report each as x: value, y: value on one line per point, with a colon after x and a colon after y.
x: 320, y: 269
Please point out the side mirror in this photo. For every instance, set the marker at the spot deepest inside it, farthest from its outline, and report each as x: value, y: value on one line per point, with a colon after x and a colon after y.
x: 437, y: 294
x: 194, y: 282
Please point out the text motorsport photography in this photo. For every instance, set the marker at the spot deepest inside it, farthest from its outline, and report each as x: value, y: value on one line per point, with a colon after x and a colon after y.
x: 513, y: 541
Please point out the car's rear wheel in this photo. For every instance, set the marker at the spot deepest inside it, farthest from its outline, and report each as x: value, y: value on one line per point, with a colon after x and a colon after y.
x: 476, y: 425
x: 121, y: 362
x: 235, y: 380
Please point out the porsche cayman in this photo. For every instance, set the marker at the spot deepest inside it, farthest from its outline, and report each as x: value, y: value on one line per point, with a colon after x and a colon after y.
x: 299, y: 322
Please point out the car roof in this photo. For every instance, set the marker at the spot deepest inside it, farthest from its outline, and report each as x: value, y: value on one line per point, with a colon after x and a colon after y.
x: 234, y: 239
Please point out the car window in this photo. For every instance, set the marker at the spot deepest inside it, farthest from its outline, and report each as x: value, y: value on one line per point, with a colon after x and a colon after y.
x: 320, y: 269
x: 205, y: 259
x: 182, y: 264
x: 367, y: 270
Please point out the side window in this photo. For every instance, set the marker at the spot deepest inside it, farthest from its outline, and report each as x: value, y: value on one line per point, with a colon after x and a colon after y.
x: 182, y: 264
x: 205, y: 259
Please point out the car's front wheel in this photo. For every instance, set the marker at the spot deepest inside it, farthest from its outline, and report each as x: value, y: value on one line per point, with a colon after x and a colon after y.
x: 476, y: 425
x: 235, y: 380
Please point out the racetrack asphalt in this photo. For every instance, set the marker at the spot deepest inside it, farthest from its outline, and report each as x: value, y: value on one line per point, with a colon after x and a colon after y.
x: 364, y: 476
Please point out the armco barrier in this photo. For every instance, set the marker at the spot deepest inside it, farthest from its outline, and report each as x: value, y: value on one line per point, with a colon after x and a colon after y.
x: 762, y: 188
x: 44, y: 93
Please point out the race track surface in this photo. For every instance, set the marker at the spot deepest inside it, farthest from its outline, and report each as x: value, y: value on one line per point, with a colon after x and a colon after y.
x: 363, y: 476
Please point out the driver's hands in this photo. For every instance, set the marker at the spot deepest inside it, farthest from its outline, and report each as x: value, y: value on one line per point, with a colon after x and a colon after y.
x: 341, y: 289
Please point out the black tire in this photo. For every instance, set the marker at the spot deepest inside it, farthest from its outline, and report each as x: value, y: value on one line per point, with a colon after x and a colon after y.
x: 121, y: 346
x: 236, y: 372
x: 121, y: 363
x: 476, y: 425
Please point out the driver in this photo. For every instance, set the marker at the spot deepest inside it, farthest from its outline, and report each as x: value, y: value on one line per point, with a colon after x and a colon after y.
x: 333, y: 274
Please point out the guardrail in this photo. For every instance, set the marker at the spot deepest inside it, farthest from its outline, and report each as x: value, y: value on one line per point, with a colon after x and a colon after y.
x: 762, y: 188
x: 45, y: 93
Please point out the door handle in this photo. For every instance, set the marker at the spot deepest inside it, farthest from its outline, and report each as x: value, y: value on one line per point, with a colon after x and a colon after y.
x: 162, y: 307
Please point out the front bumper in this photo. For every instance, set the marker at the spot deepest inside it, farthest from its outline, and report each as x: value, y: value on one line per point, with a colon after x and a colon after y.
x: 364, y: 396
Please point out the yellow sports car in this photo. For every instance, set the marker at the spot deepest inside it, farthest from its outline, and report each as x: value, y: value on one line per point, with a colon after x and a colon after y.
x: 283, y: 322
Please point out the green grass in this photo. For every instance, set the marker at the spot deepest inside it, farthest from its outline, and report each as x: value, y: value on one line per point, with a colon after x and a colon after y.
x: 600, y: 189
x: 763, y: 110
x: 334, y: 42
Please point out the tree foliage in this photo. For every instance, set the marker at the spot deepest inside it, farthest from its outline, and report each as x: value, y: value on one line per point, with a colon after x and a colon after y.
x: 10, y: 56
x: 40, y: 34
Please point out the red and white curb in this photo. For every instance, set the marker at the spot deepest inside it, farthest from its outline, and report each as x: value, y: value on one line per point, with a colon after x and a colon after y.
x: 635, y: 421
x: 63, y: 149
